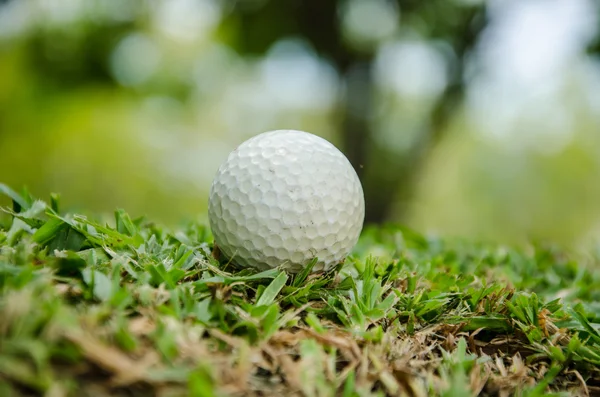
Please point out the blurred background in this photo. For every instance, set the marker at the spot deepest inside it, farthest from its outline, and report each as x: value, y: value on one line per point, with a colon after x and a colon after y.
x: 462, y: 117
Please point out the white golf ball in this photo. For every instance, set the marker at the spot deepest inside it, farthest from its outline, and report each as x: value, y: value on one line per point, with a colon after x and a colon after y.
x: 283, y: 198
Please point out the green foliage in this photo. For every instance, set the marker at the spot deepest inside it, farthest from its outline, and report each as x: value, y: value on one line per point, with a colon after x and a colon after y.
x: 130, y: 307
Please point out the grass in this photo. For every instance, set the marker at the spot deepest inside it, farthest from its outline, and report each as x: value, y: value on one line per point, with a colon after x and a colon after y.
x: 89, y: 309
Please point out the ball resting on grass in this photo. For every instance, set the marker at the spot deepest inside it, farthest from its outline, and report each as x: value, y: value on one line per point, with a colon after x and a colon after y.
x: 283, y: 198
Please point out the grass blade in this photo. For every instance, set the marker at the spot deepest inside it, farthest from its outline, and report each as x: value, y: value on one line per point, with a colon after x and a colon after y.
x: 270, y: 293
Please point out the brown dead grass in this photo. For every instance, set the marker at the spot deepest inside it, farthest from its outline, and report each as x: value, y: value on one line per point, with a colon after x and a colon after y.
x: 400, y: 364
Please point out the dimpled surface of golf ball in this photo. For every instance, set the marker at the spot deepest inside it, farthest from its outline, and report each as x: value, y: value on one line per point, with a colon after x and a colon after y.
x: 283, y: 198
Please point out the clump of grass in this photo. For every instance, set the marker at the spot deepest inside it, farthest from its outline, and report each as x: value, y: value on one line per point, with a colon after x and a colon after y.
x: 91, y: 309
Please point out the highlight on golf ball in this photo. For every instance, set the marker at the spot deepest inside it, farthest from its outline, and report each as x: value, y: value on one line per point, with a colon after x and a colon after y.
x: 283, y: 198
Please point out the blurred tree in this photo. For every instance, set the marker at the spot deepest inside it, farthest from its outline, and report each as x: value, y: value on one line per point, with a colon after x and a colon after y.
x: 392, y: 176
x: 106, y: 101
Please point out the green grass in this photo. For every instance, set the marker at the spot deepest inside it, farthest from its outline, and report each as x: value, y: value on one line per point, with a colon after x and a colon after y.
x: 131, y: 308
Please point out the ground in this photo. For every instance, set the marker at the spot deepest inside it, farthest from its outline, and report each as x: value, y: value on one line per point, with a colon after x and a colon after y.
x: 132, y: 309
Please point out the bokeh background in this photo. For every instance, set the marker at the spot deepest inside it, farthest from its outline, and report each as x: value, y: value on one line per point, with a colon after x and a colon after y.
x: 462, y: 117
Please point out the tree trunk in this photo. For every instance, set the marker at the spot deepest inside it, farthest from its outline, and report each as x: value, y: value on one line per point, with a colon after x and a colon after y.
x: 357, y: 109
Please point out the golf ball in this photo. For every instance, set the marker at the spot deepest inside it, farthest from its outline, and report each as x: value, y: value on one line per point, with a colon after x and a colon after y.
x: 283, y: 198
